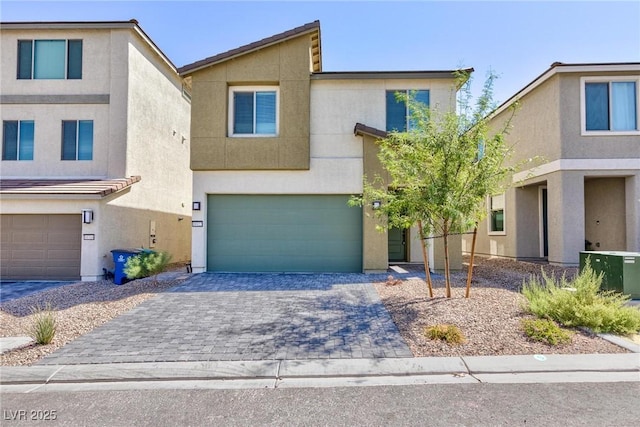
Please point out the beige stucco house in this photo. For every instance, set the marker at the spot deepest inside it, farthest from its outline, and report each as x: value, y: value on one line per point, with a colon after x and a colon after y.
x: 95, y: 151
x: 581, y: 125
x: 278, y: 148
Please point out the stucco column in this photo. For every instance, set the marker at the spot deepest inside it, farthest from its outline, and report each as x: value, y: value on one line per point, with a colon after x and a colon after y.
x: 91, y: 262
x: 375, y: 249
x: 565, y: 193
x: 199, y: 234
x: 632, y: 193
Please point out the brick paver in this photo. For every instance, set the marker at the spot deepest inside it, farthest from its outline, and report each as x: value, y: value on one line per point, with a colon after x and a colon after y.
x: 247, y: 317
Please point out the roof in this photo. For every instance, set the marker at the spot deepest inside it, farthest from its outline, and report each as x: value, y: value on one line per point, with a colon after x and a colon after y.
x: 65, y: 187
x: 364, y: 75
x: 361, y: 129
x: 560, y: 67
x: 88, y: 25
x: 312, y: 28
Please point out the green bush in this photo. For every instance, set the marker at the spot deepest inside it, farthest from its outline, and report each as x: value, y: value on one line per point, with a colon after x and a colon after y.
x: 581, y: 303
x: 448, y: 333
x: 43, y: 325
x: 545, y: 330
x: 146, y: 264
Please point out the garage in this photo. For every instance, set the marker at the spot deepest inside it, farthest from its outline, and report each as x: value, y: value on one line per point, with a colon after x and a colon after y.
x: 41, y: 247
x: 283, y: 233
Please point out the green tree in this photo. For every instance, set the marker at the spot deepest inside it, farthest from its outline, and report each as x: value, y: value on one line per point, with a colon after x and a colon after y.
x: 442, y: 169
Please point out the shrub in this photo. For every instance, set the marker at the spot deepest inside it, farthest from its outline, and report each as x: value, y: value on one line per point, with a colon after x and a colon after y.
x: 146, y: 264
x: 43, y: 325
x: 581, y: 303
x: 545, y: 330
x: 451, y: 334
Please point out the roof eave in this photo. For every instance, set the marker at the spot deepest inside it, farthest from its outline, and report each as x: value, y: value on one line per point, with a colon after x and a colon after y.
x: 310, y: 28
x: 361, y: 129
x: 397, y: 75
x: 559, y: 67
x: 132, y: 24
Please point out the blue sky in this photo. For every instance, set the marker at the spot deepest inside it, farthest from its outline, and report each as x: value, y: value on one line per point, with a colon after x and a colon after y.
x: 518, y: 40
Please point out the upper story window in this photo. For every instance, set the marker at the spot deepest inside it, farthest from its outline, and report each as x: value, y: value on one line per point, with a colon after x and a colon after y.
x: 17, y: 139
x: 610, y: 105
x: 253, y: 111
x: 398, y: 113
x: 496, y: 214
x: 77, y: 140
x: 49, y: 59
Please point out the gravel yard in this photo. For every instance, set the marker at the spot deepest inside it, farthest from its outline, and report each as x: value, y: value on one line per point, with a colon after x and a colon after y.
x: 490, y: 319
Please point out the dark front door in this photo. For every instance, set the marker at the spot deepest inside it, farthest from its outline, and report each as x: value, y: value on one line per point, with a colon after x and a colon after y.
x: 397, y: 244
x: 545, y: 224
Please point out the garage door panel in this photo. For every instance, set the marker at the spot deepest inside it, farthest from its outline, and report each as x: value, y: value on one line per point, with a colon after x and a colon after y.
x: 28, y: 221
x: 61, y: 240
x: 283, y: 233
x: 28, y: 237
x: 68, y: 272
x: 41, y: 247
x: 28, y: 255
x: 62, y: 254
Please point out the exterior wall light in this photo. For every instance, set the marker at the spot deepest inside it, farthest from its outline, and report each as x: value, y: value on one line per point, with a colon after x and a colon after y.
x: 376, y: 204
x: 196, y: 206
x: 87, y: 216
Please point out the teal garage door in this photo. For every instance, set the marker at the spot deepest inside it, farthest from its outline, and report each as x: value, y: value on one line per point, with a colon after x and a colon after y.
x: 283, y: 233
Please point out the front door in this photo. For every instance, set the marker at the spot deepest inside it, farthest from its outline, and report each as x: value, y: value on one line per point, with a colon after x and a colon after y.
x: 397, y: 244
x: 544, y: 237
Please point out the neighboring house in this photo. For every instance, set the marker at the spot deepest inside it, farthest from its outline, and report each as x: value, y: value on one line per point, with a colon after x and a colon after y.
x: 276, y: 159
x: 583, y: 121
x: 95, y: 149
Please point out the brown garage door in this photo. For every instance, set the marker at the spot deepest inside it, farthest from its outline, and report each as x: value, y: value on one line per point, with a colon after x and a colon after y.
x: 41, y: 247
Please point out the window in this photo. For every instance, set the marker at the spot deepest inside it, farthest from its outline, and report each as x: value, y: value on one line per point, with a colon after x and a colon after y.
x: 496, y: 214
x: 77, y: 140
x: 49, y: 59
x: 610, y: 105
x: 253, y: 111
x: 398, y: 114
x: 17, y: 140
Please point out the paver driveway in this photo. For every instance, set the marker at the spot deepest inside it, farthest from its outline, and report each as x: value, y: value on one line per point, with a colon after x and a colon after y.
x: 247, y: 317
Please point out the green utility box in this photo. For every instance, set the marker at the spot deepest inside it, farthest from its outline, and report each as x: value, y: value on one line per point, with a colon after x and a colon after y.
x: 621, y: 270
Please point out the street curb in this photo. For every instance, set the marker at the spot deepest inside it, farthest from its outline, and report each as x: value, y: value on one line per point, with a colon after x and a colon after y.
x: 327, y: 369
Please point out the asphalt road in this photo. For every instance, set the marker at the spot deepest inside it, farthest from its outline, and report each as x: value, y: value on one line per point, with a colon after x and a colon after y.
x: 566, y: 404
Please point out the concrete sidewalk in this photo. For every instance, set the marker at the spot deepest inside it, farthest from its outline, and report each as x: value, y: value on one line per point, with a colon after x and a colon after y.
x: 323, y: 373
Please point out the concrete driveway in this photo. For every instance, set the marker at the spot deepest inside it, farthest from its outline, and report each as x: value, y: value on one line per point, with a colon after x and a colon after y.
x: 247, y: 317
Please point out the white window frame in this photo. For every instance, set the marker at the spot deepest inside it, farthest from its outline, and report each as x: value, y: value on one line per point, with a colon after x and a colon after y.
x: 583, y: 105
x: 266, y: 88
x: 491, y: 232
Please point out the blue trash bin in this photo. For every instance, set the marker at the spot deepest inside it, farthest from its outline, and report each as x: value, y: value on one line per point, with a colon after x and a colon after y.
x: 120, y: 257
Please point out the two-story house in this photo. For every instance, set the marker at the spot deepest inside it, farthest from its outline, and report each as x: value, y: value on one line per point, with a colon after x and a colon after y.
x: 581, y: 124
x: 278, y: 148
x: 95, y: 149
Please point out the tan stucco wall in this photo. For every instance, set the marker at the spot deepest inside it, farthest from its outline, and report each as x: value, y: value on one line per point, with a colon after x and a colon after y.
x: 375, y: 241
x: 133, y: 135
x: 158, y: 138
x: 337, y: 162
x: 103, y: 73
x: 548, y: 125
x: 577, y: 146
x: 285, y: 65
x: 535, y: 126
